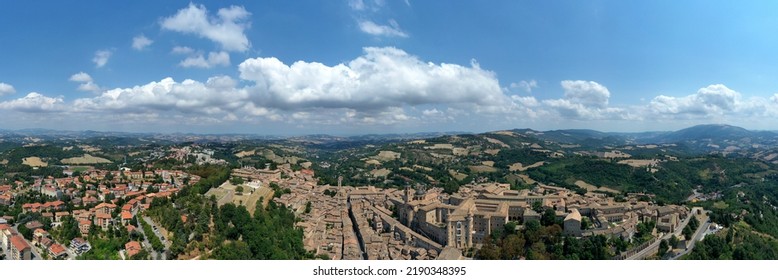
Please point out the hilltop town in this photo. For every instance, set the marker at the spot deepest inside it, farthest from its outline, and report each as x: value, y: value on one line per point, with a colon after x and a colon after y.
x: 504, y: 195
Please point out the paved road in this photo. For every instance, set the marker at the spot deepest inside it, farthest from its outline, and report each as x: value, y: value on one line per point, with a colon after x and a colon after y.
x: 163, y: 255
x: 698, y: 235
x: 650, y: 249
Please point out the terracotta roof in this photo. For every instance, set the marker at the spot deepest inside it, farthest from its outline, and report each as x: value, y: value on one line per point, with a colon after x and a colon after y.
x: 132, y: 247
x: 102, y: 205
x: 103, y: 216
x: 56, y: 249
x: 126, y: 215
x: 19, y: 243
x: 84, y: 222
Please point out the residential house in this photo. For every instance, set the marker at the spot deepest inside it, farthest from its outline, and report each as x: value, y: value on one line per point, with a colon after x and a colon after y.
x: 132, y: 248
x: 59, y: 215
x: 126, y: 217
x: 83, y: 226
x: 33, y: 225
x: 103, y: 220
x: 105, y: 208
x: 6, y: 199
x: 20, y: 249
x: 57, y: 251
x: 5, y: 235
x: 79, y: 245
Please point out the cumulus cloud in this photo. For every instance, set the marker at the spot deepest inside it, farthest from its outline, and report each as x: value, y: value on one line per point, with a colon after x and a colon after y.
x: 140, y: 42
x: 200, y: 61
x: 381, y: 78
x: 711, y: 100
x: 216, y: 96
x: 375, y: 88
x: 101, y: 58
x: 6, y: 89
x: 586, y: 100
x: 525, y: 85
x: 587, y: 93
x: 391, y: 30
x: 33, y: 103
x: 226, y: 29
x: 86, y: 82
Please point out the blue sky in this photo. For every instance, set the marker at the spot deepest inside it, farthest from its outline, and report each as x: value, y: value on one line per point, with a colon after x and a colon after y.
x: 351, y: 67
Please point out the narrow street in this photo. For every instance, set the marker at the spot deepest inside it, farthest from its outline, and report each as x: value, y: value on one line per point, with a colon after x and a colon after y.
x: 165, y: 242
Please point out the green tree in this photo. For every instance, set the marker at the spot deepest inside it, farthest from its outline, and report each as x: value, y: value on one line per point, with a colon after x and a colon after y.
x: 674, y: 241
x: 663, y: 247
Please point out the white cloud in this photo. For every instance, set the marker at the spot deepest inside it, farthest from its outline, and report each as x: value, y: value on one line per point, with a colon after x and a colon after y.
x: 226, y: 29
x: 711, y: 100
x: 358, y: 5
x: 525, y: 85
x: 86, y: 82
x: 140, y: 42
x: 391, y: 30
x: 587, y: 93
x: 217, y: 96
x: 586, y: 100
x: 213, y: 59
x: 182, y: 50
x: 101, y: 58
x: 33, y: 103
x: 6, y: 89
x: 381, y: 78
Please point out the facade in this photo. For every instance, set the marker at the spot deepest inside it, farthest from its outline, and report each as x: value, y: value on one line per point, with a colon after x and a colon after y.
x: 20, y: 249
x: 572, y: 223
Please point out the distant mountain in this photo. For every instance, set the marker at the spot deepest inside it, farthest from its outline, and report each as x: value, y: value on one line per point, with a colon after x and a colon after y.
x: 713, y: 133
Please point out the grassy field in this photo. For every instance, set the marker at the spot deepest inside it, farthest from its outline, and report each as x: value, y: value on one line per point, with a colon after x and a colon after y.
x: 482, y: 168
x: 80, y: 168
x: 34, y: 162
x: 591, y: 188
x: 457, y: 175
x: 519, y: 167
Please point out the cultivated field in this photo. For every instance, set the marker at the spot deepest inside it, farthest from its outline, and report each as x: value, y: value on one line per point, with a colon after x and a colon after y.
x: 86, y: 159
x: 482, y: 168
x: 246, y: 153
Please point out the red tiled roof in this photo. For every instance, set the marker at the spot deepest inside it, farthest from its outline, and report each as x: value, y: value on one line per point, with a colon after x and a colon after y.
x: 56, y: 249
x: 132, y: 247
x: 102, y: 205
x: 19, y: 243
x: 103, y: 216
x: 126, y: 215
